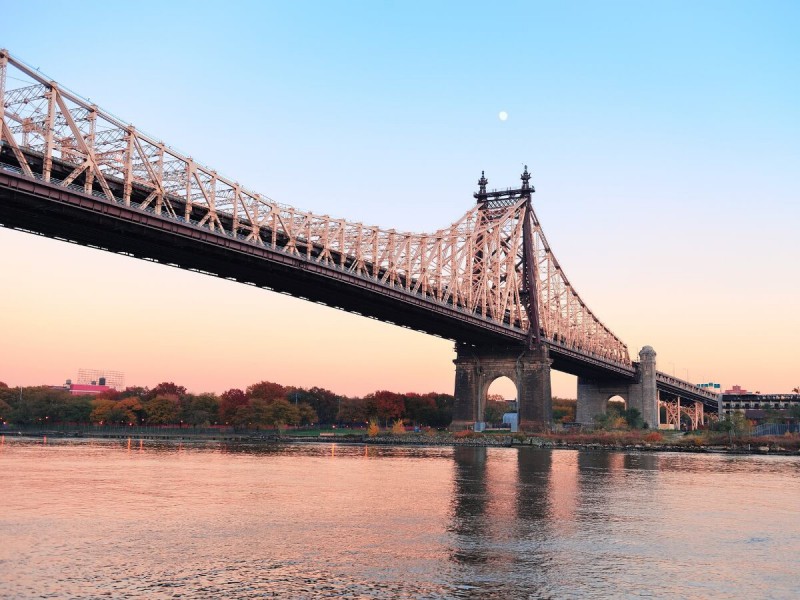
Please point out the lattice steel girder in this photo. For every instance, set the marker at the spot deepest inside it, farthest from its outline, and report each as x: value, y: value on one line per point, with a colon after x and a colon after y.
x: 693, y: 411
x: 673, y: 409
x: 476, y: 265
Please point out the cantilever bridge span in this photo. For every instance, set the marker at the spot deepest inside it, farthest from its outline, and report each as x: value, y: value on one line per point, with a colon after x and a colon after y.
x: 489, y: 282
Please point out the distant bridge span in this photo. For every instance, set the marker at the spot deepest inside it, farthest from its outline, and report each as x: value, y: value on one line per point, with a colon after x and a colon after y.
x: 489, y: 282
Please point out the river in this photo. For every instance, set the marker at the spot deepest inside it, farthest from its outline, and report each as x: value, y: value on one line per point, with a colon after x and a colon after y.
x: 131, y: 519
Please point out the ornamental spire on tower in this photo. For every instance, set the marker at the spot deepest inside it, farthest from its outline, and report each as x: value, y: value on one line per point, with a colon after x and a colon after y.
x: 482, y: 183
x: 526, y: 177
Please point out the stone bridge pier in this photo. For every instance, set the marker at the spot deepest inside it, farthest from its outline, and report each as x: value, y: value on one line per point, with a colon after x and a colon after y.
x: 478, y: 367
x: 593, y: 395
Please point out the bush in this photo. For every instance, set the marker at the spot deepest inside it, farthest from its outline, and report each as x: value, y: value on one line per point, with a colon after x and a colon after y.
x: 654, y: 436
x: 373, y: 429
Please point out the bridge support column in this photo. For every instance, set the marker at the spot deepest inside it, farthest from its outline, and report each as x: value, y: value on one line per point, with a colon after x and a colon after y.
x: 535, y: 397
x: 592, y: 400
x: 644, y: 394
x: 641, y: 394
x: 477, y: 368
x: 466, y: 406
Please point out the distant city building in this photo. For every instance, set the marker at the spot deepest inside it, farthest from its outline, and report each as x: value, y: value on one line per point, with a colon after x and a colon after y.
x: 710, y: 386
x: 95, y: 381
x: 114, y: 379
x: 755, y: 405
x: 88, y: 389
x: 736, y: 390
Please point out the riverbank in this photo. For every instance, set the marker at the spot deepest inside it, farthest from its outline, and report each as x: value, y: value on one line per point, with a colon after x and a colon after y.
x: 625, y: 441
x: 168, y: 435
x: 600, y: 442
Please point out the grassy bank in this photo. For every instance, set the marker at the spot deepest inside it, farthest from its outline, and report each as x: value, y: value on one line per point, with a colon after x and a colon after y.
x: 640, y: 440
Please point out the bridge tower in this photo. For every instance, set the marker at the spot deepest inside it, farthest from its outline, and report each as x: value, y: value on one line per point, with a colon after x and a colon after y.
x: 527, y: 364
x: 642, y: 394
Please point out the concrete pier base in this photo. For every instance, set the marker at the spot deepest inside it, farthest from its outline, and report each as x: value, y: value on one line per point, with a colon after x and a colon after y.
x: 641, y: 394
x: 477, y: 368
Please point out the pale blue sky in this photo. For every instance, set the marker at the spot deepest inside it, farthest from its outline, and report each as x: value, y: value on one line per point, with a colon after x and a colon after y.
x: 663, y: 138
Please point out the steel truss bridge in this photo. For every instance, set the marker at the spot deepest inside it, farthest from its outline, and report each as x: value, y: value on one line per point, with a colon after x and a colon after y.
x: 71, y: 171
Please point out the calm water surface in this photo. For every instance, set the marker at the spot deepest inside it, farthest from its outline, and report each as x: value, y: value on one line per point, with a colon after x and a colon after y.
x: 94, y: 519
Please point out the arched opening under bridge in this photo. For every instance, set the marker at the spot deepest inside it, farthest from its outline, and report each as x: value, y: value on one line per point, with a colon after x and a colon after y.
x: 619, y: 415
x: 500, y: 403
x: 616, y: 403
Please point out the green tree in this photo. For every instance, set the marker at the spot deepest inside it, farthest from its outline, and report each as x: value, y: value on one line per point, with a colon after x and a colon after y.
x: 612, y: 419
x: 134, y: 405
x: 418, y: 407
x: 564, y: 409
x: 281, y: 413
x: 8, y: 394
x: 444, y: 410
x: 202, y: 410
x: 241, y: 417
x: 306, y: 414
x: 24, y: 410
x: 494, y: 410
x: 111, y: 412
x: 137, y: 391
x: 633, y: 418
x: 352, y: 410
x: 5, y: 410
x: 258, y: 412
x: 40, y: 405
x: 162, y: 410
x: 431, y: 409
x: 324, y: 402
x: 78, y: 410
x: 735, y: 423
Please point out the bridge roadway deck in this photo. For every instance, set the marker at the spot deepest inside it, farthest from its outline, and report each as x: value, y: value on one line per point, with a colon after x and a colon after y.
x: 677, y: 387
x: 70, y: 214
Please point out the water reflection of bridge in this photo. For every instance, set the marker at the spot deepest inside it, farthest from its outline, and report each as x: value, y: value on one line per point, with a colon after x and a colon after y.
x: 528, y: 509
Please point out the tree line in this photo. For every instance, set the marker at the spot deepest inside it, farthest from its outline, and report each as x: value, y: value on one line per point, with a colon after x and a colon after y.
x: 263, y: 404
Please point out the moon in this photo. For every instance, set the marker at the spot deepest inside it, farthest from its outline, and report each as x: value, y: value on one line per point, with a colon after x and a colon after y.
x: 502, y: 115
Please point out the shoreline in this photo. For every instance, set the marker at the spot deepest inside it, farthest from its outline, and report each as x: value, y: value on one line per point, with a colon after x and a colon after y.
x: 534, y: 442
x: 421, y: 440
